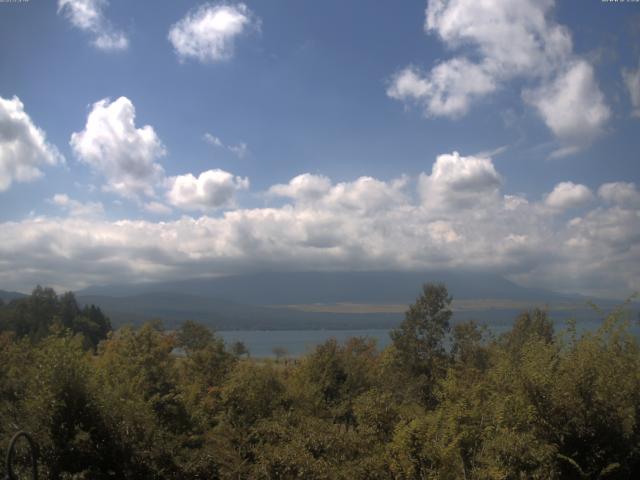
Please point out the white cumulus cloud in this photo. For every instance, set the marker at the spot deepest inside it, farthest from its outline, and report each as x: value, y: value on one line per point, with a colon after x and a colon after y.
x: 303, y: 187
x: 449, y: 89
x: 88, y: 15
x: 572, y: 106
x: 459, y: 182
x: 364, y: 194
x: 112, y: 145
x: 208, y: 33
x: 23, y: 146
x: 620, y: 193
x: 567, y: 195
x: 210, y: 190
x: 499, y: 41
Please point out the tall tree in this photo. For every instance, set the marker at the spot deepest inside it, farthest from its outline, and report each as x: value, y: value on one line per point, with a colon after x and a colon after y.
x: 419, y: 340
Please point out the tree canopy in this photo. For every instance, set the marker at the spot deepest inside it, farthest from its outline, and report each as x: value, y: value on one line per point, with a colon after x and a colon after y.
x: 445, y: 400
x: 38, y: 314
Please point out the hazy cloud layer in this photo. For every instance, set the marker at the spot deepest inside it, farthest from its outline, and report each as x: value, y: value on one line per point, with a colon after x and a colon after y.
x: 632, y: 82
x: 208, y: 33
x: 456, y: 216
x: 23, y: 146
x: 75, y: 208
x: 499, y: 41
x: 88, y: 15
x: 157, y: 208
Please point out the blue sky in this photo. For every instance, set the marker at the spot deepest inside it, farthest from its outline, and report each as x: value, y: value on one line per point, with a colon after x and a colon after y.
x: 320, y: 135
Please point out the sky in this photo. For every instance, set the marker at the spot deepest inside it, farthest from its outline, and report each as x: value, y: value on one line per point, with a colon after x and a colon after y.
x: 160, y: 140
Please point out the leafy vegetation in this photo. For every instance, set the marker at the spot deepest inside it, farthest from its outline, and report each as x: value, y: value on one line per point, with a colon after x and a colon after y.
x: 442, y: 401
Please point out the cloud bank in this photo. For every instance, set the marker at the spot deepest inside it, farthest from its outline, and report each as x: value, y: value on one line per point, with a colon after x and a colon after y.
x: 457, y: 216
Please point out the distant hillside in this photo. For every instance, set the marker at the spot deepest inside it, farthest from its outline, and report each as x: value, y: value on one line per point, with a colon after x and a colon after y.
x: 335, y: 287
x: 306, y: 300
x: 6, y: 296
x: 312, y: 300
x: 175, y: 308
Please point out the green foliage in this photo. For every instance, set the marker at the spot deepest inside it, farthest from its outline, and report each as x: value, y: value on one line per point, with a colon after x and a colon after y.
x: 239, y: 349
x: 419, y: 341
x: 193, y: 336
x: 251, y: 393
x: 441, y: 402
x: 529, y: 325
x: 202, y: 372
x: 468, y: 348
x: 37, y: 315
x: 328, y: 380
x: 279, y: 352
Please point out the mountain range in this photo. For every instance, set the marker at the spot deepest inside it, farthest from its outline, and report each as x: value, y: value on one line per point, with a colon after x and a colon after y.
x: 284, y: 288
x: 319, y: 300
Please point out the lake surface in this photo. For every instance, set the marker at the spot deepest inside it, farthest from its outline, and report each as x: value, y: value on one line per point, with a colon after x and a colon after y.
x: 298, y: 342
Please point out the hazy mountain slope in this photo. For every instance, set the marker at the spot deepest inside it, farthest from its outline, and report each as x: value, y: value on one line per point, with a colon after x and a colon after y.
x: 7, y: 296
x: 316, y: 287
x: 174, y: 308
x: 257, y: 301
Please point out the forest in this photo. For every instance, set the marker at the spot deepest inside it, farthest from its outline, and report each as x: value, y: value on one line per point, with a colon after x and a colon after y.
x: 445, y: 400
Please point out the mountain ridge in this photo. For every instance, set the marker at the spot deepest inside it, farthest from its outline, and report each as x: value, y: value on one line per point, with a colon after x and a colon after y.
x: 280, y: 301
x: 281, y: 288
x: 7, y: 296
x: 319, y: 300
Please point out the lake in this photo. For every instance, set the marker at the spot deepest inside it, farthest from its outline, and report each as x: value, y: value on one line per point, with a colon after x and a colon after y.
x: 298, y: 342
